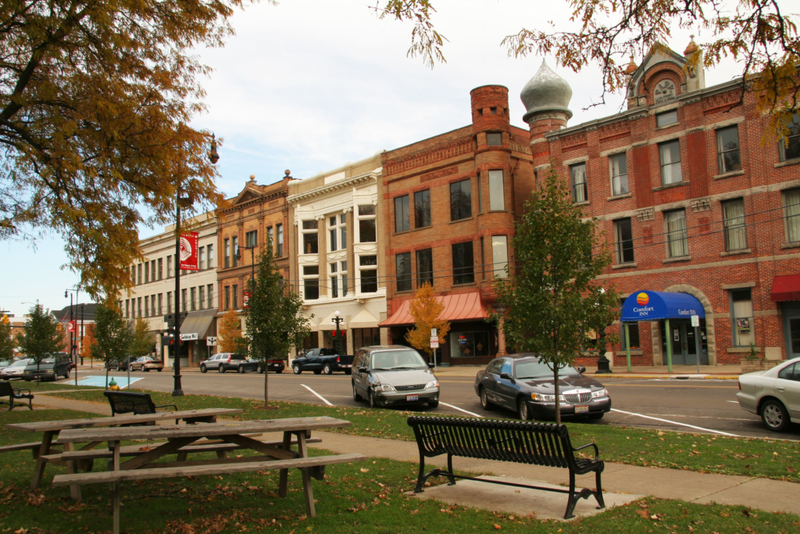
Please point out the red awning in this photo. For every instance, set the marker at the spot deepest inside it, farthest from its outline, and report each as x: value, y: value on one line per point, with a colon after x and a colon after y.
x: 786, y: 288
x: 460, y: 307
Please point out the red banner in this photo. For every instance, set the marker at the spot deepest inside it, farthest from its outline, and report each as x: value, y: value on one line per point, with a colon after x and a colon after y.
x: 189, y: 251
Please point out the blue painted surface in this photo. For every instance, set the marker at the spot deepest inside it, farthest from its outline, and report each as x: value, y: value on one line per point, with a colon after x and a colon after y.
x: 655, y: 305
x: 100, y: 381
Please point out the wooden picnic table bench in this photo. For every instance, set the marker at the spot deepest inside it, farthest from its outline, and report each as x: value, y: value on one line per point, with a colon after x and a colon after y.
x: 272, y: 455
x: 524, y: 442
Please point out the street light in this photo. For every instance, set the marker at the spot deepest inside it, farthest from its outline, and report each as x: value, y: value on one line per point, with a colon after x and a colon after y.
x: 337, y: 334
x: 72, y: 347
x: 177, y: 391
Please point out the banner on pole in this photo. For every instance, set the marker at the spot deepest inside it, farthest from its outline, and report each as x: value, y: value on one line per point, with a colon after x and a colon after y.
x: 189, y: 246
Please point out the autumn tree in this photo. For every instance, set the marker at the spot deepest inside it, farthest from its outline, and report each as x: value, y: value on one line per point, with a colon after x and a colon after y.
x: 87, y: 342
x: 229, y: 333
x: 552, y: 298
x: 43, y: 335
x: 273, y: 315
x: 760, y: 34
x: 141, y: 339
x: 95, y: 99
x: 426, y: 310
x: 6, y: 340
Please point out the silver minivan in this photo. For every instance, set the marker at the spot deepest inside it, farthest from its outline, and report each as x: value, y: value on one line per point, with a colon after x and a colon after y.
x: 389, y: 375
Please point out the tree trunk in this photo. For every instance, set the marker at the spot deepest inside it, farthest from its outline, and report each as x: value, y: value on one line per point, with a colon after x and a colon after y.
x: 557, y: 390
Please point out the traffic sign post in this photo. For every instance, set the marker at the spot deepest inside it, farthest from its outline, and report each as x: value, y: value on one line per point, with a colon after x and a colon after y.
x: 697, y: 342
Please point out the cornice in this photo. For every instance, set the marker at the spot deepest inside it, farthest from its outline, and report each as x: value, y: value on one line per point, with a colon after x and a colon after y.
x: 334, y: 187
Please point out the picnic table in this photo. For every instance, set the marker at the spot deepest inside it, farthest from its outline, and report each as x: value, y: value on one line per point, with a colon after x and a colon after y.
x: 272, y: 456
x: 43, y: 450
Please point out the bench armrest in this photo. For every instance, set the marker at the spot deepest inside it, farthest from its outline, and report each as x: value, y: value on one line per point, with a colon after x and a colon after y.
x: 596, y: 451
x: 175, y: 408
x: 19, y: 391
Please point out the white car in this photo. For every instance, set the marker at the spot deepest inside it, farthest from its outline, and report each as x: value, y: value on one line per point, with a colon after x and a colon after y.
x: 773, y: 394
x: 15, y: 370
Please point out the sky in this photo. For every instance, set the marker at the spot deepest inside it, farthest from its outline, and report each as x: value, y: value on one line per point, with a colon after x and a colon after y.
x: 310, y: 85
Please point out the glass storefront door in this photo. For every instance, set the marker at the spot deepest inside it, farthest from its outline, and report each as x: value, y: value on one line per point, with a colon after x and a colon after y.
x: 684, y: 342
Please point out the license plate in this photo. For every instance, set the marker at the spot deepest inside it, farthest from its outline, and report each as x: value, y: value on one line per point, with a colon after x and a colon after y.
x: 581, y: 409
x: 410, y: 398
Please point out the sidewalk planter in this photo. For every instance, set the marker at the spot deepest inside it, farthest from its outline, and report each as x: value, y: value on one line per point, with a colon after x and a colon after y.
x: 758, y: 364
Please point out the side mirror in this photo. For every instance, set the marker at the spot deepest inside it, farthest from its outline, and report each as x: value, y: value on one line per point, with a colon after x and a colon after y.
x: 362, y: 369
x: 506, y: 376
x: 431, y: 365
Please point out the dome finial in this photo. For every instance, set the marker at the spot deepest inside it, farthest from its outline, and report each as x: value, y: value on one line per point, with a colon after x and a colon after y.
x: 546, y: 91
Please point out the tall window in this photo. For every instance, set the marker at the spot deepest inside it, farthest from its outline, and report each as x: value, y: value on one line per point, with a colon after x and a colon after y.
x: 146, y: 306
x: 402, y: 218
x: 366, y: 224
x: 139, y: 274
x: 460, y: 200
x: 201, y: 258
x: 279, y: 231
x: 169, y: 301
x: 497, y: 200
x: 337, y: 231
x: 268, y: 238
x: 463, y: 267
x: 153, y: 271
x: 210, y: 256
x: 193, y: 298
x: 670, y: 156
x: 184, y: 300
x: 235, y: 250
x: 170, y: 271
x: 742, y: 317
x: 210, y: 295
x: 139, y: 306
x: 577, y: 175
x: 227, y: 297
x: 618, y: 169
x: 403, y: 266
x: 677, y: 236
x: 424, y: 267
x: 728, y: 159
x: 160, y: 303
x: 227, y: 246
x: 251, y: 238
x: 311, y: 282
x: 791, y: 210
x: 338, y: 278
x: 201, y: 295
x: 235, y: 296
x: 422, y: 209
x: 368, y: 270
x: 623, y: 240
x: 790, y: 148
x: 309, y: 236
x: 500, y: 256
x: 734, y: 223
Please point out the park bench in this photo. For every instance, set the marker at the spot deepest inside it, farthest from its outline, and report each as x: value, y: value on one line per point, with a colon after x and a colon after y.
x: 133, y: 402
x: 14, y: 394
x: 523, y: 442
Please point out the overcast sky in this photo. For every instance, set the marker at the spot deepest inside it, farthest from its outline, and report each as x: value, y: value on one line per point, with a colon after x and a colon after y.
x: 310, y: 85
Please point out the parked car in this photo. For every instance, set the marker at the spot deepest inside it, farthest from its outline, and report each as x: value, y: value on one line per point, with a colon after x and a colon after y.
x: 4, y: 364
x: 393, y: 375
x: 49, y: 368
x: 773, y: 394
x: 322, y: 360
x: 147, y: 363
x: 228, y: 361
x: 116, y: 365
x: 15, y: 370
x: 524, y: 384
x: 276, y: 366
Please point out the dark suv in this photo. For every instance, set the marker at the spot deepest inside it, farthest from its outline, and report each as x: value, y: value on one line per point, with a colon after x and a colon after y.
x: 50, y: 368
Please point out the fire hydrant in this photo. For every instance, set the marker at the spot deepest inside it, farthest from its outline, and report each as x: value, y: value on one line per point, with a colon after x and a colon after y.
x: 113, y: 385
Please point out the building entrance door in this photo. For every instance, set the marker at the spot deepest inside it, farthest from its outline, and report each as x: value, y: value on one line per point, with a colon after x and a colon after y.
x: 684, y: 342
x: 793, y: 337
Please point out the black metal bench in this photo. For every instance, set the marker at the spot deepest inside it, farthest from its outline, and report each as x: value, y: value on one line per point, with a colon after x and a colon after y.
x: 14, y: 394
x: 524, y: 442
x: 133, y: 402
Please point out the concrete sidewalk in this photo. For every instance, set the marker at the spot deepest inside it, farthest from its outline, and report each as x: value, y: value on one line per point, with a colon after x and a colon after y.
x: 621, y: 483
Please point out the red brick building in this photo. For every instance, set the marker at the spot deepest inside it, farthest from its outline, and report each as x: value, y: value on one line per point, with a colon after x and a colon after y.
x: 449, y: 208
x: 696, y: 201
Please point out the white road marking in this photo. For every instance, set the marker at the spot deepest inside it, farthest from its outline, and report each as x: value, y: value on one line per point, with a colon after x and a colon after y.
x: 460, y: 410
x: 320, y: 397
x: 676, y: 423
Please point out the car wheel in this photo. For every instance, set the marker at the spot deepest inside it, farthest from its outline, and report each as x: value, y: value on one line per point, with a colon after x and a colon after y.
x: 524, y: 410
x: 66, y: 374
x: 203, y: 369
x: 146, y: 369
x: 775, y: 416
x: 356, y: 396
x: 327, y: 369
x: 485, y: 404
x: 241, y: 369
x: 296, y: 369
x: 596, y: 416
x: 433, y: 403
x: 221, y: 368
x: 261, y: 370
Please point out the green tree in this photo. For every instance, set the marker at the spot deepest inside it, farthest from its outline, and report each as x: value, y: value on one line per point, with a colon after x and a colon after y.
x: 95, y: 98
x: 761, y: 35
x: 141, y: 339
x: 43, y: 335
x: 273, y: 318
x: 426, y: 309
x: 6, y: 341
x: 112, y: 335
x: 552, y: 296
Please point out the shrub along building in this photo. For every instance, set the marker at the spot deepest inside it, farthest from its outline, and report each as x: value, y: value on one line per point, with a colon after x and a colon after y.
x: 704, y: 215
x: 449, y: 209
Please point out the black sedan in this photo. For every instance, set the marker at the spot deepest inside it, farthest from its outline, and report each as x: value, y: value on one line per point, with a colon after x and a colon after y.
x: 524, y: 384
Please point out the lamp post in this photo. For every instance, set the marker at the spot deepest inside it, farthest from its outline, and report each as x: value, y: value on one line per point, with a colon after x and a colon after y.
x: 603, y: 363
x: 177, y: 390
x: 337, y: 334
x: 72, y: 329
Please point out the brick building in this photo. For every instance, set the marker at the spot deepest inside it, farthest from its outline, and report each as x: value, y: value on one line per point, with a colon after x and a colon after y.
x: 449, y: 208
x: 699, y: 206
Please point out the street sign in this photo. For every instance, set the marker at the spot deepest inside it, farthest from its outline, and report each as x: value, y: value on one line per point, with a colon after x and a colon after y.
x: 71, y: 326
x: 695, y: 321
x: 434, y: 332
x: 434, y: 342
x: 211, y: 341
x: 189, y: 337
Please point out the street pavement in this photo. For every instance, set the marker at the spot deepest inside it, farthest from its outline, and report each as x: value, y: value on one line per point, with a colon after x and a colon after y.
x: 621, y: 483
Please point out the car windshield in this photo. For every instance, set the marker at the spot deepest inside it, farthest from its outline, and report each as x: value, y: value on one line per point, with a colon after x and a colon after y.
x: 533, y: 368
x: 19, y: 363
x: 396, y: 360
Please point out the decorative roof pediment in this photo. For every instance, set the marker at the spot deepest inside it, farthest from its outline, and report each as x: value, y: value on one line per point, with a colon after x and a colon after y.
x: 660, y: 58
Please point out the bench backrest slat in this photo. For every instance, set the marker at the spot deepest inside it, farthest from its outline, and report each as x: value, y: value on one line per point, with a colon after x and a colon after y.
x: 130, y: 402
x: 512, y: 441
x: 5, y: 389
